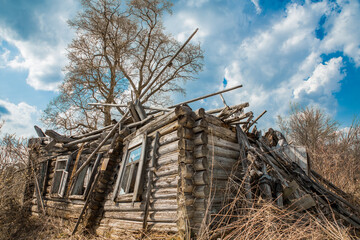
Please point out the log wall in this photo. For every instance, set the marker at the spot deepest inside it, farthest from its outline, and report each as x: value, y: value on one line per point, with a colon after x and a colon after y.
x: 216, y: 152
x: 123, y: 216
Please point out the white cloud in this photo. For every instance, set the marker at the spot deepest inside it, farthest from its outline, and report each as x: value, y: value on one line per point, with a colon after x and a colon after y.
x: 19, y: 118
x: 257, y: 6
x: 42, y: 50
x: 344, y: 31
x: 323, y: 81
x: 195, y: 3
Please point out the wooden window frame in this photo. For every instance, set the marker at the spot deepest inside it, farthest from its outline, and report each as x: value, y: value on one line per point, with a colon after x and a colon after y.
x: 60, y: 191
x: 140, y: 140
x: 90, y: 173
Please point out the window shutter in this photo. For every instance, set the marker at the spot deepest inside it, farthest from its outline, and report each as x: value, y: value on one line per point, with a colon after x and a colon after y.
x: 139, y: 176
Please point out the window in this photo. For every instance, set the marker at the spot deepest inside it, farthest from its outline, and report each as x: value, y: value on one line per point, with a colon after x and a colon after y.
x: 60, y: 176
x: 82, y: 181
x: 129, y: 178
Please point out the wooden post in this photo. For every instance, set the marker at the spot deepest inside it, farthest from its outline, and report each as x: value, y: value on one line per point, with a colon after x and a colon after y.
x: 150, y: 180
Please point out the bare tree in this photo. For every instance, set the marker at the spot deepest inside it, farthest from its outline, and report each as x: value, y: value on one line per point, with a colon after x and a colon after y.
x: 308, y: 126
x: 119, y: 50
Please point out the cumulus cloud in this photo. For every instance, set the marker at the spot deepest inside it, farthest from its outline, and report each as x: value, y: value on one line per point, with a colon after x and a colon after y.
x: 343, y: 31
x: 19, y: 118
x: 40, y: 40
x: 283, y: 60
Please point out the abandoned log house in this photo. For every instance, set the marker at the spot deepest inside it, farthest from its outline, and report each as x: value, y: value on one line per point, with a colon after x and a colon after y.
x: 167, y: 170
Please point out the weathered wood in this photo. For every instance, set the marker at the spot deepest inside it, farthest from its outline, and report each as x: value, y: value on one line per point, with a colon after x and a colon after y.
x: 133, y: 112
x: 222, y: 152
x: 238, y: 118
x: 158, y: 216
x: 188, y: 158
x: 303, y: 203
x: 86, y: 203
x: 200, y: 125
x: 200, y: 113
x: 200, y: 151
x: 143, y: 121
x: 101, y: 130
x: 82, y: 140
x: 150, y: 182
x: 140, y: 110
x: 111, y: 133
x: 127, y: 225
x: 186, y: 121
x: 244, y: 162
x: 158, y: 123
x: 201, y: 191
x: 39, y: 132
x: 173, y: 146
x: 201, y: 164
x: 253, y: 122
x: 165, y: 170
x: 238, y: 107
x: 164, y: 193
x: 220, y: 162
x: 201, y: 138
x: 57, y: 137
x: 183, y: 110
x: 168, y: 138
x: 158, y: 204
x: 223, y: 143
x: 186, y: 133
x: 185, y: 144
x: 208, y: 95
x: 168, y: 158
x: 201, y: 178
x: 186, y: 170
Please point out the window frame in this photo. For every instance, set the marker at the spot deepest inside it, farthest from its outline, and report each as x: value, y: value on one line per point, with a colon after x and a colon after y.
x: 61, y: 186
x: 140, y: 140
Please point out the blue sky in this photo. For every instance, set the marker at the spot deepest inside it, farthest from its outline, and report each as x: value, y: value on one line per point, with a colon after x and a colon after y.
x: 306, y: 52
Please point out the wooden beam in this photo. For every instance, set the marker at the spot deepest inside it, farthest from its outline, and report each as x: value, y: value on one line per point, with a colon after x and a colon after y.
x: 206, y: 96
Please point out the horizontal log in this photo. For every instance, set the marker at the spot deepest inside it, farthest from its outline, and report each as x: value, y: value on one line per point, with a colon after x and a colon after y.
x: 168, y: 138
x: 201, y: 164
x: 155, y: 204
x: 222, y: 132
x: 82, y: 140
x: 201, y: 191
x: 165, y: 181
x: 201, y: 138
x: 186, y: 185
x: 220, y: 162
x: 158, y: 216
x: 220, y: 142
x: 110, y: 225
x: 200, y: 125
x: 158, y: 123
x: 165, y: 170
x: 220, y: 151
x: 168, y: 158
x: 200, y: 151
x: 201, y: 178
x: 164, y: 193
x: 171, y: 147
